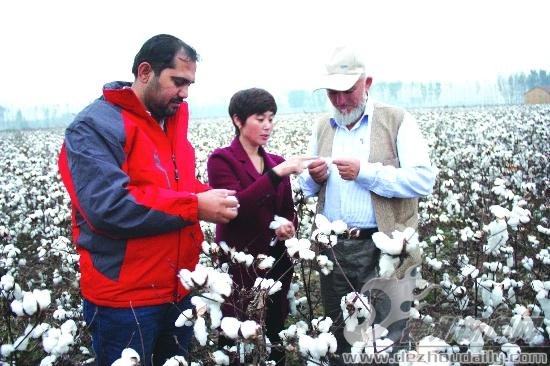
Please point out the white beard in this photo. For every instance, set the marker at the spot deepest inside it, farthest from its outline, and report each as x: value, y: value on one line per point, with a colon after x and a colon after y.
x: 346, y: 119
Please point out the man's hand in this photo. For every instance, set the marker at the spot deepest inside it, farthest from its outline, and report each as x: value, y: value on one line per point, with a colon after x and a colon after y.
x: 318, y: 170
x: 348, y: 168
x: 285, y: 231
x: 217, y: 205
x: 293, y: 165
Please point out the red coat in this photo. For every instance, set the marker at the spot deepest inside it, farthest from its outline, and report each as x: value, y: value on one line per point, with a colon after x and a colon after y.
x: 259, y: 200
x: 132, y: 189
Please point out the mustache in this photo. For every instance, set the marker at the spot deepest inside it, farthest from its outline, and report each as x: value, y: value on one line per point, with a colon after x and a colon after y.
x: 176, y: 100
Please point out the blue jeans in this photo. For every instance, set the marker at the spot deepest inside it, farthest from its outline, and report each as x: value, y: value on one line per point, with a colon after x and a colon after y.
x: 149, y: 330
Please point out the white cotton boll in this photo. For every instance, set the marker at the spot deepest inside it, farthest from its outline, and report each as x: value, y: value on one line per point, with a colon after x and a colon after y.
x: 199, y: 276
x: 39, y: 330
x: 469, y: 270
x: 414, y: 313
x: 275, y: 287
x: 48, y: 360
x: 330, y: 340
x: 323, y: 224
x: 21, y: 343
x: 220, y: 283
x: 249, y: 329
x: 431, y: 344
x: 185, y: 318
x: 383, y: 346
x: 69, y: 327
x: 185, y: 278
x: 30, y: 305
x: 129, y: 353
x: 358, y: 347
x: 49, y: 340
x: 387, y: 265
x: 277, y: 222
x: 124, y: 362
x: 319, y: 347
x: 17, y: 307
x: 265, y: 262
x: 339, y: 227
x: 205, y: 247
x: 307, y: 254
x: 543, y: 230
x: 292, y: 246
x: 387, y: 244
x: 220, y: 358
x: 499, y: 212
x: 323, y: 324
x: 43, y: 298
x: 230, y: 327
x: 6, y: 350
x: 176, y: 361
x: 305, y: 344
x: 224, y: 247
x: 527, y: 263
x: 59, y: 314
x: 7, y: 282
x: 215, y: 315
x: 199, y: 304
x: 200, y: 332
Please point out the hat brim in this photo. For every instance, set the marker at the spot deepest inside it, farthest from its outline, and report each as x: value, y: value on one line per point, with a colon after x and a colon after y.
x: 340, y: 82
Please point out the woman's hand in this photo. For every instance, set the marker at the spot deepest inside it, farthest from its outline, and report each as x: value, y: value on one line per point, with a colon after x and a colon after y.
x: 285, y: 231
x: 293, y: 165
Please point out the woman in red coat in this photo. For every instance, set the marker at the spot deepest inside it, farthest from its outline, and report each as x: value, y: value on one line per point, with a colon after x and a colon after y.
x: 263, y: 189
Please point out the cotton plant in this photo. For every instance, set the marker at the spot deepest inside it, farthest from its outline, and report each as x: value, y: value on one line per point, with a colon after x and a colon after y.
x: 424, y: 351
x: 326, y: 231
x: 472, y: 333
x: 31, y: 303
x: 326, y: 266
x: 497, y: 230
x: 58, y: 341
x: 233, y: 328
x: 269, y: 285
x: 128, y: 357
x: 355, y: 306
x: 373, y: 341
x: 290, y: 335
x: 393, y: 249
x: 299, y: 248
x: 316, y: 349
x: 207, y: 277
x: 519, y: 215
x: 521, y: 326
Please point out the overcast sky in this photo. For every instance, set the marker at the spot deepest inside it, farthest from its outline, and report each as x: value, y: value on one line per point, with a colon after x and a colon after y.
x: 63, y: 51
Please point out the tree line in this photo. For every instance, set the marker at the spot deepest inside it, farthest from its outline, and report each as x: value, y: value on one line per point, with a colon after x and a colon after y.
x: 505, y: 90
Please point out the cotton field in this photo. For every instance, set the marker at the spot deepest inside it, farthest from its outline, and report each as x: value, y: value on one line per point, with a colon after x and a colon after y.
x: 484, y: 234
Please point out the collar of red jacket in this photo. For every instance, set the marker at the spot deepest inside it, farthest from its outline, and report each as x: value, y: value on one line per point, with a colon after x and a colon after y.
x: 121, y: 94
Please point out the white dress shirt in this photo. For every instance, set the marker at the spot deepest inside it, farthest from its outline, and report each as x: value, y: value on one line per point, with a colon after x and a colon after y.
x: 350, y: 201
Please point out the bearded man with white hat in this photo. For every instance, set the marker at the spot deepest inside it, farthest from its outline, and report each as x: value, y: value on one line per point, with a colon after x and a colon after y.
x: 373, y: 166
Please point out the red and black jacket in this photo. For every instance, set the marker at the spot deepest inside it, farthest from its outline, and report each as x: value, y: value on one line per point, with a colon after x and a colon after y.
x: 134, y: 208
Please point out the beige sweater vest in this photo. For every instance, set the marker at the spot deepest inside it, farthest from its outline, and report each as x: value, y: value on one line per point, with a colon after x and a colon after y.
x: 391, y: 213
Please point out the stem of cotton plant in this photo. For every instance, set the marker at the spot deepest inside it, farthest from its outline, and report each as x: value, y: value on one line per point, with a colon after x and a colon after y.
x: 308, y: 292
x: 346, y: 277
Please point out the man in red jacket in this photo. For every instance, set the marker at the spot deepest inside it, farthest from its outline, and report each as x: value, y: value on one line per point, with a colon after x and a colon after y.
x: 136, y: 204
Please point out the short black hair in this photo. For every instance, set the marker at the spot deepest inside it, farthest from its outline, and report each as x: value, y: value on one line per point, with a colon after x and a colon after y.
x: 248, y: 102
x: 160, y: 50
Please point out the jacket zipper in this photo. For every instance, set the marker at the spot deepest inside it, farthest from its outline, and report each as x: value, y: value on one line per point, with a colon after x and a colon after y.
x: 177, y: 178
x: 176, y: 175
